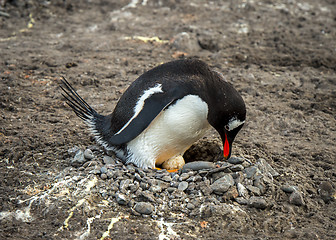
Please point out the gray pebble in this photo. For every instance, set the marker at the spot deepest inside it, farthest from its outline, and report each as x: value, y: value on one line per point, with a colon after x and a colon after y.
x: 90, y: 163
x: 195, y: 178
x: 155, y: 189
x: 191, y: 186
x: 174, y: 184
x: 237, y: 168
x: 184, y: 176
x: 109, y: 174
x: 223, y: 184
x: 108, y: 160
x: 241, y: 201
x: 124, y: 185
x: 183, y: 185
x: 95, y: 171
x: 289, y: 189
x: 326, y: 191
x: 259, y: 184
x: 175, y: 177
x: 250, y: 171
x: 186, y: 42
x: 103, y: 176
x: 205, y: 187
x: 257, y: 202
x: 166, y: 178
x: 296, y: 198
x: 198, y: 165
x: 134, y: 187
x: 171, y: 189
x: 144, y: 185
x: 264, y: 167
x: 144, y: 208
x: 236, y: 160
x: 121, y: 199
x: 103, y: 170
x: 242, y: 191
x: 190, y: 206
x: 88, y: 154
x: 254, y: 190
x: 73, y: 151
x: 238, y: 177
x: 78, y: 160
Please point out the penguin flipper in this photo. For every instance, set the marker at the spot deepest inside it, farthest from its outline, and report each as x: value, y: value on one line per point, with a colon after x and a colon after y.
x: 151, y: 108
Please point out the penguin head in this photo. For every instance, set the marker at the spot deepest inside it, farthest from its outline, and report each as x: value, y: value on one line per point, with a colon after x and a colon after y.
x: 227, y: 114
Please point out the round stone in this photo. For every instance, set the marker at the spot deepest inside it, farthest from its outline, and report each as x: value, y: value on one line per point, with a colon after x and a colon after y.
x: 144, y: 208
x: 183, y: 185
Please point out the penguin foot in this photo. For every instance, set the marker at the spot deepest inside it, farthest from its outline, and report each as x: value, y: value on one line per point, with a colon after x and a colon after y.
x: 173, y: 164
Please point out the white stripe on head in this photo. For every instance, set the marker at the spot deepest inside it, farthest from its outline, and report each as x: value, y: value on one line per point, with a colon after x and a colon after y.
x: 141, y: 102
x: 234, y: 123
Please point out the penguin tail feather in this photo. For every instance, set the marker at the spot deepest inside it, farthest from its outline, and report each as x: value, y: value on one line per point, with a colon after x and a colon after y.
x: 81, y: 108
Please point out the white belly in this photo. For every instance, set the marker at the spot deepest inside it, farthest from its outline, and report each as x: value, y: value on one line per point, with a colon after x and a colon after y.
x: 171, y: 133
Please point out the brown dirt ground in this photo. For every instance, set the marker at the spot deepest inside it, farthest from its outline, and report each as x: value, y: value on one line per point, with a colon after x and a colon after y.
x: 281, y: 56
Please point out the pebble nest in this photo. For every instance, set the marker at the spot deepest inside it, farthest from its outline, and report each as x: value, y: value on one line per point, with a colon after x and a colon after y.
x: 200, y: 188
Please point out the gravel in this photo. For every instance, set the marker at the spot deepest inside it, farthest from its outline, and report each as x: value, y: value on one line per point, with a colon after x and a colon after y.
x: 199, y: 183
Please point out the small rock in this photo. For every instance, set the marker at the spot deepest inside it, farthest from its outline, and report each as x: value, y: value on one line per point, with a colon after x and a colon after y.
x: 296, y: 198
x: 103, y: 170
x: 191, y: 186
x: 237, y: 168
x: 175, y: 177
x: 264, y: 167
x: 73, y: 151
x: 155, y: 189
x: 88, y: 154
x: 250, y: 171
x: 124, y: 185
x: 121, y: 199
x: 194, y: 178
x: 184, y: 176
x: 198, y: 165
x: 205, y: 187
x: 238, y: 177
x: 241, y: 201
x: 78, y: 160
x: 148, y: 196
x: 171, y: 189
x: 326, y: 191
x: 109, y: 174
x: 242, y: 191
x: 183, y: 185
x: 254, y: 190
x: 190, y: 206
x: 95, y: 171
x: 103, y: 176
x: 134, y: 187
x: 166, y: 178
x: 223, y: 184
x: 108, y: 160
x: 236, y: 160
x: 144, y: 208
x: 232, y: 193
x: 257, y: 202
x: 289, y: 189
x: 185, y: 42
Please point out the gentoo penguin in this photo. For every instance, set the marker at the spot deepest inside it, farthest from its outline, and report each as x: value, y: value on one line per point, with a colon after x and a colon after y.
x: 164, y: 111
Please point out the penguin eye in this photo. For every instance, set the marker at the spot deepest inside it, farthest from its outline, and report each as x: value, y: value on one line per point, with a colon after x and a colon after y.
x: 227, y: 128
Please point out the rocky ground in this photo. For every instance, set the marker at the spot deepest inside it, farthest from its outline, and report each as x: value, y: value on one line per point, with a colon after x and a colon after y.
x: 57, y: 184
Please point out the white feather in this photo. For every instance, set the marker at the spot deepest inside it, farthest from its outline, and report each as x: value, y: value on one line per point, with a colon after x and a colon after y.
x: 234, y: 123
x: 141, y: 102
x: 171, y: 133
